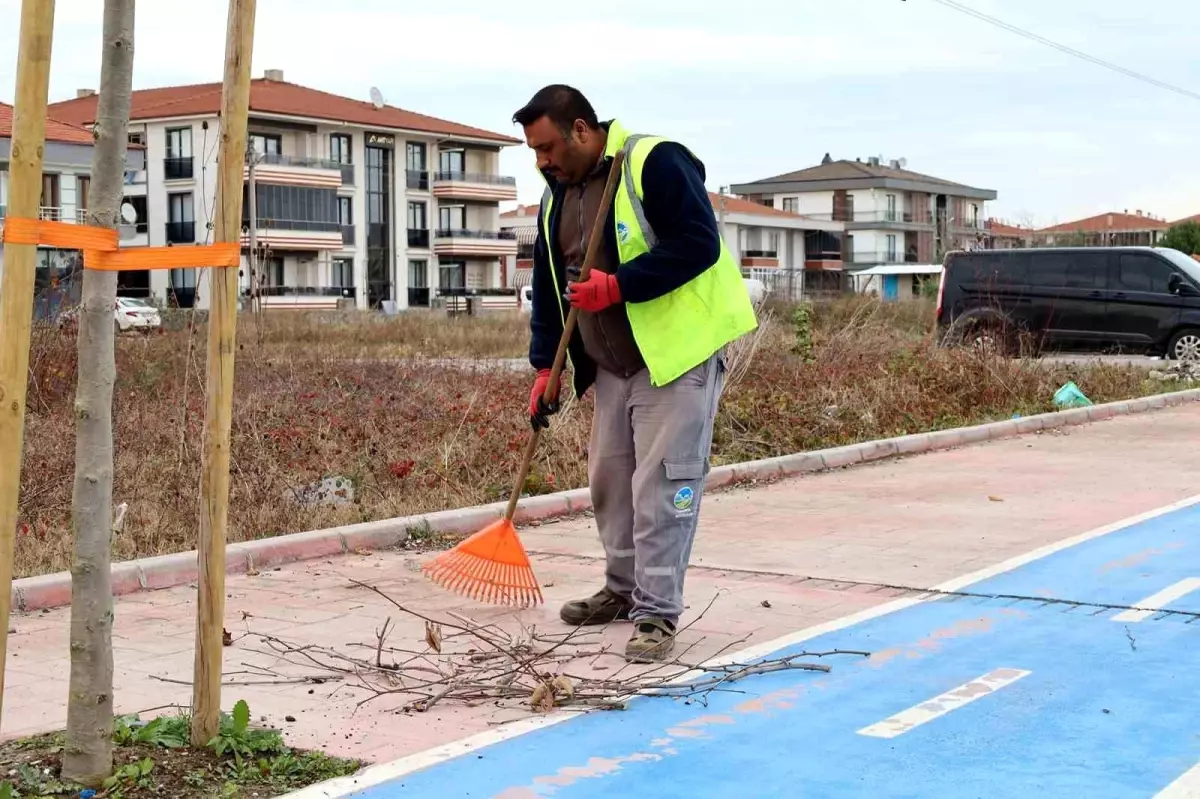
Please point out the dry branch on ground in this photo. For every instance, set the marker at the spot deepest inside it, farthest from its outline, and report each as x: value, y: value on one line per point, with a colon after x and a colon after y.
x: 461, y: 661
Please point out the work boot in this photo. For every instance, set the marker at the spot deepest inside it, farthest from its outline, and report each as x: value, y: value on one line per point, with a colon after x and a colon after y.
x: 600, y: 608
x: 653, y: 639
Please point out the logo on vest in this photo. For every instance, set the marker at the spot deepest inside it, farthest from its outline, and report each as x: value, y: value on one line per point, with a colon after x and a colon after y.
x: 683, y: 498
x: 622, y: 232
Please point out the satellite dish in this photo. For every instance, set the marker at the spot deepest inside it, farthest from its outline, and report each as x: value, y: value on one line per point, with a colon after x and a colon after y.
x: 128, y: 214
x: 903, y: 162
x: 376, y: 97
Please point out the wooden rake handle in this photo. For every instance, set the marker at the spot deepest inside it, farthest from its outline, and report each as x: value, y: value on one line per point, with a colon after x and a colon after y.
x: 595, y: 241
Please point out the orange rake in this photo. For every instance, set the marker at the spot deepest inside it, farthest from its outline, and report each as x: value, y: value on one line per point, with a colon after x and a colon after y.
x: 492, y: 566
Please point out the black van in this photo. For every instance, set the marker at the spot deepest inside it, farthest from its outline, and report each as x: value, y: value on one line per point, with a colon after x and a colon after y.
x: 1131, y: 299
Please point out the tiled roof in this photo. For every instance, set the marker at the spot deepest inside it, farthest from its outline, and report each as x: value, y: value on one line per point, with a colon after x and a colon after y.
x: 55, y: 131
x: 1194, y: 218
x: 852, y: 170
x: 1105, y: 222
x: 521, y: 212
x: 737, y: 205
x: 997, y: 228
x: 273, y: 97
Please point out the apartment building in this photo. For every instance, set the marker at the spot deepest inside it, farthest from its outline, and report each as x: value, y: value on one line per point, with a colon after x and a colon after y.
x: 891, y: 215
x: 66, y: 177
x: 339, y: 218
x: 790, y: 253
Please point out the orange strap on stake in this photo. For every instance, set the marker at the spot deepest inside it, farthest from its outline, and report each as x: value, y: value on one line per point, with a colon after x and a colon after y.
x: 102, y: 252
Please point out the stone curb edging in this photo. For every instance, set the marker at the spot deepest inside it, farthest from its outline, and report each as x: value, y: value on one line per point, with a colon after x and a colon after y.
x: 167, y: 571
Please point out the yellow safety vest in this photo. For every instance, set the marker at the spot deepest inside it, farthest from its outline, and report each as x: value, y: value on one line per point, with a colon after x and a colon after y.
x: 685, y: 327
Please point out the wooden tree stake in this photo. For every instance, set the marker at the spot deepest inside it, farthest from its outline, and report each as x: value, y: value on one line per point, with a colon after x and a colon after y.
x: 16, y: 285
x: 222, y: 325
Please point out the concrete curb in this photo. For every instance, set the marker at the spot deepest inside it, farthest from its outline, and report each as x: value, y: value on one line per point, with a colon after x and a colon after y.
x: 167, y: 571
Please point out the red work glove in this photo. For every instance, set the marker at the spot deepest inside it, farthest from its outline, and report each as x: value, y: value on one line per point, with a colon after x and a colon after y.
x: 539, y: 411
x: 598, y: 292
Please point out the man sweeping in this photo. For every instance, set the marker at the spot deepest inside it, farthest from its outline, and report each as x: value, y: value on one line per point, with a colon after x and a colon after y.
x: 662, y: 301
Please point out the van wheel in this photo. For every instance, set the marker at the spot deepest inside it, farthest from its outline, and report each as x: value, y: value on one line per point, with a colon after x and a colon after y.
x: 991, y: 336
x: 1185, y: 345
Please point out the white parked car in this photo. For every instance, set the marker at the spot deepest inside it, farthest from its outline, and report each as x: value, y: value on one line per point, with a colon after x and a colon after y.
x: 134, y: 314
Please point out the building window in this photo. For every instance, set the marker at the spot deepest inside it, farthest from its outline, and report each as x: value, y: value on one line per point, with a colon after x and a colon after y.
x: 179, y: 142
x: 790, y: 204
x: 178, y: 163
x: 267, y: 143
x: 137, y: 137
x: 417, y: 218
x: 452, y: 217
x: 452, y: 275
x: 418, y: 283
x: 181, y: 221
x: 452, y: 161
x: 340, y: 145
x: 379, y: 227
x: 342, y: 273
x: 891, y: 248
x: 345, y: 211
x: 83, y: 185
x: 416, y: 166
x: 51, y: 199
x: 891, y: 208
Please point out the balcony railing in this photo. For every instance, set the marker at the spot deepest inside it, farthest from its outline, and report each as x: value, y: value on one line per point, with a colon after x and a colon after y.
x: 456, y: 233
x: 418, y: 237
x: 304, y: 291
x: 181, y: 232
x: 178, y: 168
x: 276, y: 159
x: 882, y: 257
x: 50, y: 214
x: 885, y: 216
x: 418, y: 179
x: 81, y: 216
x: 418, y: 298
x: 309, y: 225
x: 475, y: 177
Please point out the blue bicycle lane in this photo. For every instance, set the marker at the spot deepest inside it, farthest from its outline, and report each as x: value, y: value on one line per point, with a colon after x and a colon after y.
x: 962, y: 697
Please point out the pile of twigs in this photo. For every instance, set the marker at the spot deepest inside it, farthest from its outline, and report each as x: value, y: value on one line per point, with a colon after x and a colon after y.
x: 466, y: 662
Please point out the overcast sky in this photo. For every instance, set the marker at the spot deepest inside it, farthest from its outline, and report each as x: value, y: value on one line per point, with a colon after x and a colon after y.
x: 756, y: 87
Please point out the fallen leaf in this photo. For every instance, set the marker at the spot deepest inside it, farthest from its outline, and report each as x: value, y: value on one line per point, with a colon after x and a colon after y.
x: 995, y: 499
x: 226, y: 637
x: 563, y: 686
x: 433, y: 636
x: 765, y: 604
x: 542, y: 699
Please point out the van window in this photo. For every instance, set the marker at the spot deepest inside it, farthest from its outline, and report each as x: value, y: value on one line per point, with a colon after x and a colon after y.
x: 990, y: 268
x: 1140, y: 272
x: 1071, y: 270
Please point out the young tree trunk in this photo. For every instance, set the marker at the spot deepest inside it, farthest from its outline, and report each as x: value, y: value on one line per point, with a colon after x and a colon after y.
x: 88, y: 757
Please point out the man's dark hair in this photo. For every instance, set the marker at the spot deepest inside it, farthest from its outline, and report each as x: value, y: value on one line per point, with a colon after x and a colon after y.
x: 562, y: 105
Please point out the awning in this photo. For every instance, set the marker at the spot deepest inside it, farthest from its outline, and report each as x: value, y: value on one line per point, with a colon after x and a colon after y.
x: 902, y: 269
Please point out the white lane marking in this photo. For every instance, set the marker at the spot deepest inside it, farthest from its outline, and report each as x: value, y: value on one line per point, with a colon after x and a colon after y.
x: 1158, y: 601
x: 386, y: 772
x: 942, y: 704
x: 1186, y: 787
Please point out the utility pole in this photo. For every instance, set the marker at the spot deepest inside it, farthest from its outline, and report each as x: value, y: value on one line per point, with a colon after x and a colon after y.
x: 17, y: 282
x: 222, y: 326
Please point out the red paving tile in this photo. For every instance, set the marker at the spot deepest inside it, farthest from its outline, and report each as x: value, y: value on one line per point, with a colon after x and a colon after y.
x: 913, y: 522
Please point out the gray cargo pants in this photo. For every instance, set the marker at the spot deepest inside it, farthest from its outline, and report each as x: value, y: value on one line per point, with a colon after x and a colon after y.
x: 647, y: 461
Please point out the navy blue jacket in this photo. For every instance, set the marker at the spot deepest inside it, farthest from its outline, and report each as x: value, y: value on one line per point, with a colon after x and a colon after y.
x: 677, y: 207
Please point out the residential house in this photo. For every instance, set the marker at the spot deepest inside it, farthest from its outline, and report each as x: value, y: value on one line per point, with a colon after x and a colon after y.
x: 66, y: 177
x: 891, y: 214
x: 999, y: 235
x: 339, y: 218
x: 793, y: 254
x: 1106, y: 230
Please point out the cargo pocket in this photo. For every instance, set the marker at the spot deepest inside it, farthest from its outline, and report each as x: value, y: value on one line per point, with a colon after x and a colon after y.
x: 684, y: 483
